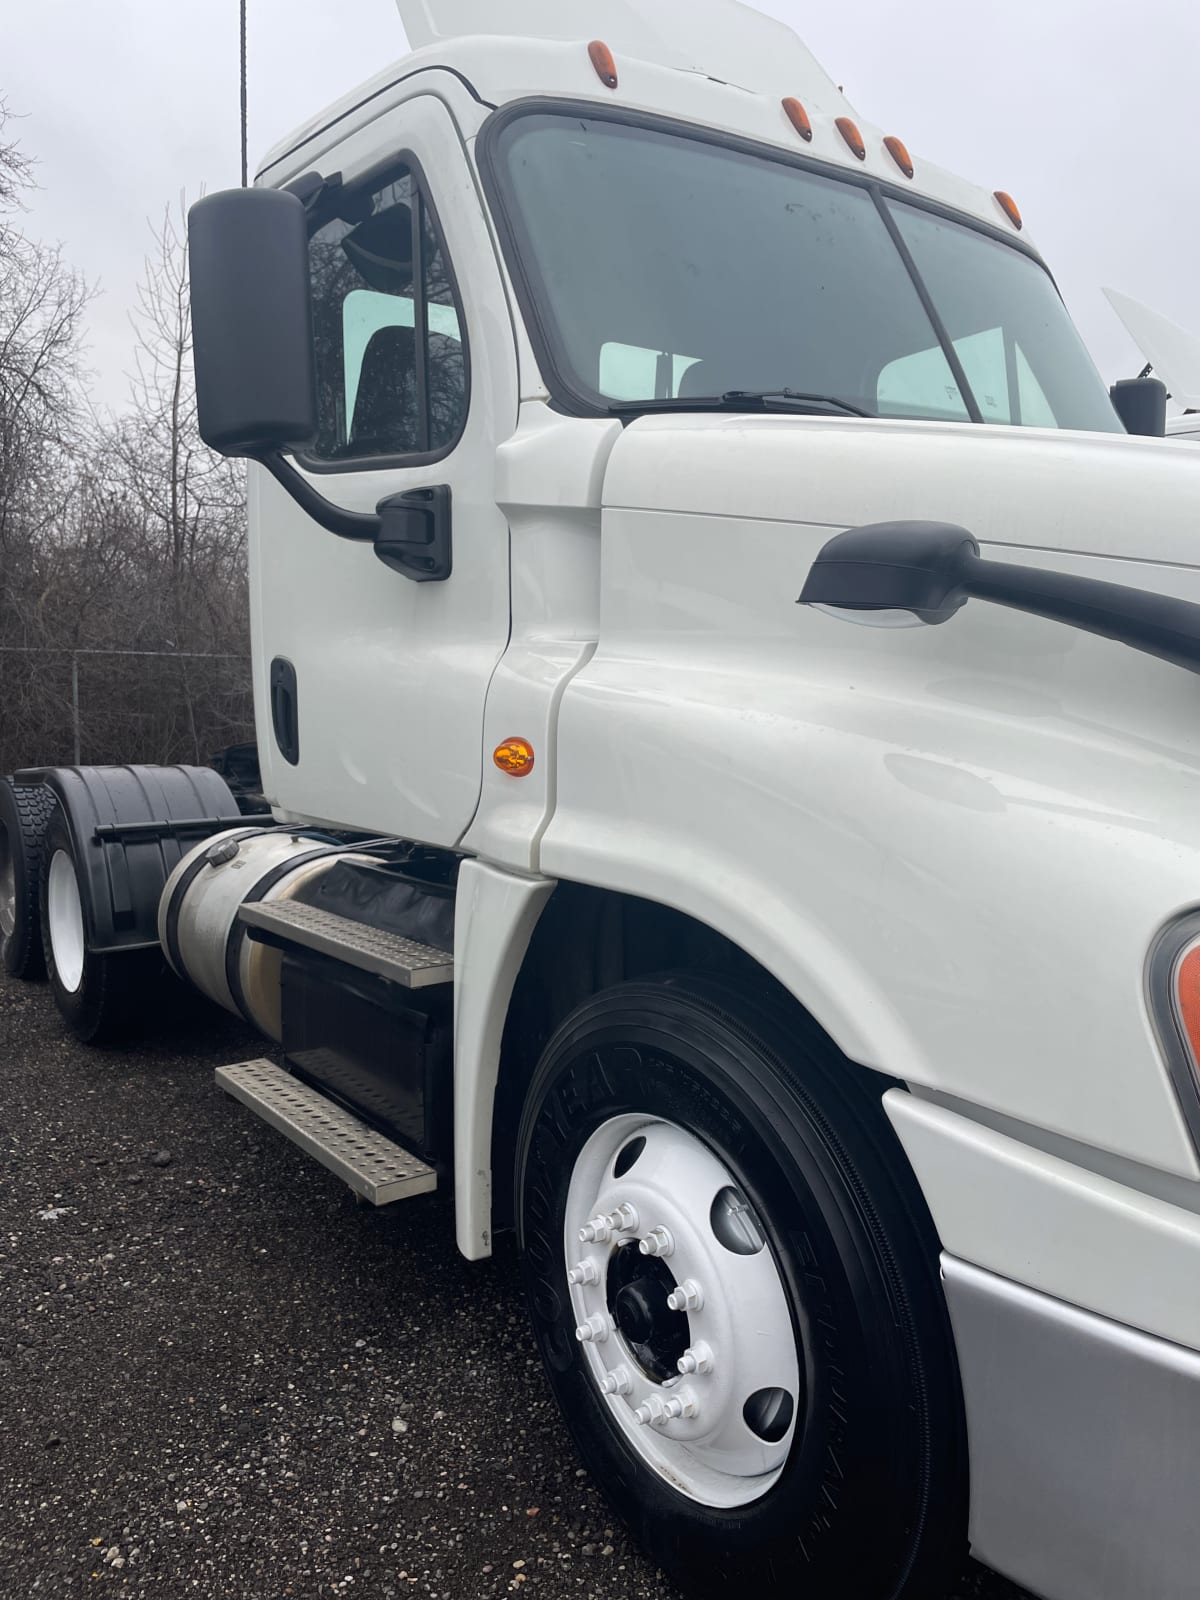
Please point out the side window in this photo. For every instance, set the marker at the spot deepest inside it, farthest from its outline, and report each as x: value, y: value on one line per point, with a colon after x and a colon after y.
x: 387, y: 328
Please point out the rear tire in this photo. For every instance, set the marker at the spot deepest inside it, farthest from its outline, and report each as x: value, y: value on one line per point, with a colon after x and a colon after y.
x: 725, y: 1096
x: 24, y: 812
x: 99, y: 996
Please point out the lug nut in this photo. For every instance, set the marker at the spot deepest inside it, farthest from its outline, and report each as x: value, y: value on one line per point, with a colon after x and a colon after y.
x: 680, y: 1405
x: 652, y: 1411
x: 623, y: 1220
x: 616, y: 1382
x: 688, y: 1297
x: 597, y: 1231
x: 583, y: 1272
x: 699, y: 1358
x: 593, y: 1331
x: 658, y: 1242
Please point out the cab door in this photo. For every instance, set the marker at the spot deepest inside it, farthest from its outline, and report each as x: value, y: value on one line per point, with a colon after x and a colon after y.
x: 371, y: 685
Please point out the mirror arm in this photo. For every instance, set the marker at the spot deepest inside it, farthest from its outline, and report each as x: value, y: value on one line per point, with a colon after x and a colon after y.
x: 361, y: 525
x: 1157, y: 624
x: 931, y: 569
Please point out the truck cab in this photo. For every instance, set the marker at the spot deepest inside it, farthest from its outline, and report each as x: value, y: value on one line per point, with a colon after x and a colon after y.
x: 725, y: 677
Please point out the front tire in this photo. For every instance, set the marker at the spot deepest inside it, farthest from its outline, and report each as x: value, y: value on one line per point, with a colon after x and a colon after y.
x: 98, y: 995
x: 751, y: 1350
x: 24, y: 811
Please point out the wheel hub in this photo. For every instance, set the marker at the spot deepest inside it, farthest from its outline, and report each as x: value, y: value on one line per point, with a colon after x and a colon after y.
x: 637, y: 1293
x: 64, y: 922
x: 8, y: 885
x: 681, y: 1314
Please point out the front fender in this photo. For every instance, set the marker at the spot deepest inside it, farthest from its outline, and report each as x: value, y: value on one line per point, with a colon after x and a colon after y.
x: 954, y: 846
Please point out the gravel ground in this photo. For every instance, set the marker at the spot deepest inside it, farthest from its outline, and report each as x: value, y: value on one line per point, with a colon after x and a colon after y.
x: 224, y: 1378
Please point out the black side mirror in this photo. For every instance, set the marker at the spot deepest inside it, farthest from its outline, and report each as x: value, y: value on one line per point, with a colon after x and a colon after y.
x: 1141, y: 404
x: 930, y: 569
x: 252, y: 322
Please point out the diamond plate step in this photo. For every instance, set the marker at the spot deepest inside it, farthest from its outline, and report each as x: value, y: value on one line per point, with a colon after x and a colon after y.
x: 373, y: 1166
x: 404, y: 961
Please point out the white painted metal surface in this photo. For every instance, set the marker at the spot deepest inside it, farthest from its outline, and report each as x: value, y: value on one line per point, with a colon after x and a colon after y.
x: 719, y: 38
x: 392, y: 675
x: 65, y: 921
x: 689, y: 1426
x: 905, y: 827
x: 1042, y: 1221
x: 504, y: 69
x: 8, y: 884
x: 1172, y: 351
x: 495, y: 914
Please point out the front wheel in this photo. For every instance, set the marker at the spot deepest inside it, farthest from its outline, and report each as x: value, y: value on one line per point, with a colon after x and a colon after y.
x: 733, y: 1283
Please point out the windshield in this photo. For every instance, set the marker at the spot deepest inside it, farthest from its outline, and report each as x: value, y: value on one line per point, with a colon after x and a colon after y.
x: 662, y: 266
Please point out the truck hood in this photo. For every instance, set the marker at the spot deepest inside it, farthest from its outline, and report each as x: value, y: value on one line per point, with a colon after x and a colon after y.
x: 1172, y: 351
x: 1093, y: 494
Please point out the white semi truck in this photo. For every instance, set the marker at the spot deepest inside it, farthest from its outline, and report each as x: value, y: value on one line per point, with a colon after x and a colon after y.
x: 814, y: 987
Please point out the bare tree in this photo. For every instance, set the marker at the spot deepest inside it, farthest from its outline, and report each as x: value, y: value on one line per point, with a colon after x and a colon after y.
x: 42, y: 303
x: 122, y: 538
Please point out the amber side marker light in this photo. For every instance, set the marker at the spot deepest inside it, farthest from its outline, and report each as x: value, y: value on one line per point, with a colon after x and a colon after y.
x: 799, y: 118
x: 899, y: 154
x: 849, y: 132
x: 1010, y: 208
x: 601, y: 58
x: 514, y: 756
x: 1187, y: 1001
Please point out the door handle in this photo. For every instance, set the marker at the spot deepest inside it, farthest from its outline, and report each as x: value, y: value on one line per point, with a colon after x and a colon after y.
x: 414, y: 534
x: 285, y: 710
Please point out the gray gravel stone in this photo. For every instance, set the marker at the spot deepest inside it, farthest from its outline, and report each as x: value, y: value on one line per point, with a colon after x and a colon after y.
x: 262, y: 1391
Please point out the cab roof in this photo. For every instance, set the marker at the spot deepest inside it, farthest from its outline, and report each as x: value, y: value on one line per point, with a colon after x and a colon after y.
x: 714, y: 63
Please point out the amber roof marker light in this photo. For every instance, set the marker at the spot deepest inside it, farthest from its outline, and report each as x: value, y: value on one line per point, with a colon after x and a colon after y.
x: 850, y: 132
x: 799, y: 118
x: 899, y: 154
x: 601, y: 58
x: 1010, y: 208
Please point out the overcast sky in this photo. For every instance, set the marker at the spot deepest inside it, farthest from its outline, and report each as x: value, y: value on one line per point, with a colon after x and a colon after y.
x: 1084, y: 109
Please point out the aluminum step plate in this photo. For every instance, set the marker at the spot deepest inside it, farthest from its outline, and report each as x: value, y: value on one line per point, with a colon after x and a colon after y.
x: 404, y: 961
x: 372, y: 1164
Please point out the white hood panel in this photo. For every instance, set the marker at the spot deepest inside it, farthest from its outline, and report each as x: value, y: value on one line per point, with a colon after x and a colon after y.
x: 1094, y: 494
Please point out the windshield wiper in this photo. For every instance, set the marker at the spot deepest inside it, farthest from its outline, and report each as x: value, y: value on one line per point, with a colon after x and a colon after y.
x: 747, y: 400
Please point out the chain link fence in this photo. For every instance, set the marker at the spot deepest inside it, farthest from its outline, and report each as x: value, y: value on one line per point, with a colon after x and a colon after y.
x: 94, y: 707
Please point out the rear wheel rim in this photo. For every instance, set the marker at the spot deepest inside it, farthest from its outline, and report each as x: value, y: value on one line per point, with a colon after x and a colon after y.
x: 65, y: 921
x: 8, y: 885
x: 706, y: 1389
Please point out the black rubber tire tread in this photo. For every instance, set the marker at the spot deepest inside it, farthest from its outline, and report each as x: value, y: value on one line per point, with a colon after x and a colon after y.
x: 872, y: 1500
x: 117, y: 990
x: 24, y: 811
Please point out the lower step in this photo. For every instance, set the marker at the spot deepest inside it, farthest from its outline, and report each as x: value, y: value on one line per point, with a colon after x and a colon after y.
x: 375, y: 1167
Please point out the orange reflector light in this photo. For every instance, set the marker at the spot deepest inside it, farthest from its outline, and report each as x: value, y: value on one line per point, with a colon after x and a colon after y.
x: 1010, y: 208
x: 601, y: 58
x: 1187, y: 997
x: 899, y: 155
x: 514, y: 756
x: 849, y: 132
x: 798, y: 118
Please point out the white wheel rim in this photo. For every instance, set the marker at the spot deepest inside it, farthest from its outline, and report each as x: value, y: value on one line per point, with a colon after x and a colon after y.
x: 8, y: 885
x: 740, y: 1336
x: 65, y: 917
